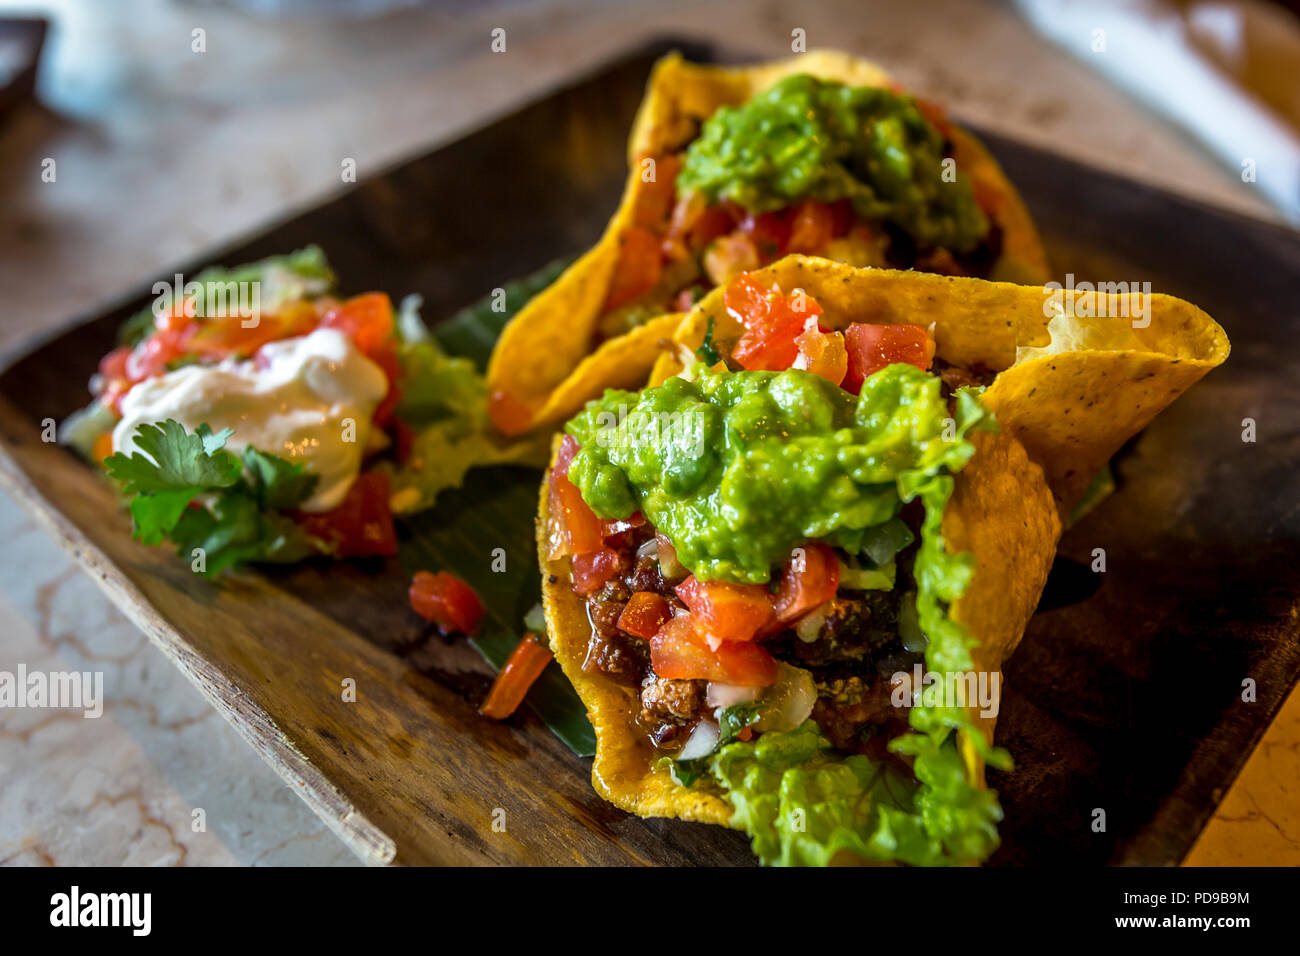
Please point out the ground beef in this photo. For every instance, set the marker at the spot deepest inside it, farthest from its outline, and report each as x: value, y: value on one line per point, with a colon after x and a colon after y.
x: 852, y: 710
x: 856, y: 625
x: 955, y: 377
x: 670, y: 708
x: 611, y: 651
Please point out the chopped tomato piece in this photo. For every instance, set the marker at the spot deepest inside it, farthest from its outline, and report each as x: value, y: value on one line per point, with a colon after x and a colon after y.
x: 525, y: 665
x: 102, y: 448
x: 592, y: 569
x: 812, y: 227
x: 772, y: 322
x: 509, y: 413
x: 843, y: 217
x: 585, y: 531
x: 810, y: 577
x: 152, y: 356
x: 872, y: 347
x: 218, y: 337
x: 770, y: 232
x: 360, y: 527
x: 730, y: 256
x: 822, y: 353
x: 113, y: 365
x: 640, y: 263
x: 366, y: 319
x: 612, y: 526
x: 447, y: 601
x: 644, y: 614
x: 713, y: 222
x: 654, y: 202
x: 678, y: 652
x: 723, y: 611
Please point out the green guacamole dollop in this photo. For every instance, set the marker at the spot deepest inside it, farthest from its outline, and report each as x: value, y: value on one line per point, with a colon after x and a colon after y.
x: 738, y: 468
x: 806, y: 137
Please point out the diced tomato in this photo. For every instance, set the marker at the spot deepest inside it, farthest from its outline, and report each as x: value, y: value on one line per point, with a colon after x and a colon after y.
x: 640, y: 263
x: 822, y: 353
x: 723, y: 611
x: 810, y: 577
x: 510, y: 414
x: 152, y: 356
x: 526, y: 663
x: 644, y: 614
x: 812, y: 227
x: 872, y: 347
x: 447, y: 601
x: 843, y: 218
x: 655, y: 199
x: 113, y: 365
x: 366, y: 319
x: 592, y: 569
x: 770, y: 232
x: 715, y: 221
x: 102, y: 448
x: 362, y: 526
x: 585, y: 531
x: 772, y: 321
x: 678, y: 652
x: 613, y: 526
x: 218, y: 337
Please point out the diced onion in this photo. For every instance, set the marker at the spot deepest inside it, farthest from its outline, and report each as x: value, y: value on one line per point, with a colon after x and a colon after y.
x: 669, y: 566
x: 810, y: 625
x: 650, y: 549
x: 789, y: 701
x: 702, y: 742
x: 728, y: 695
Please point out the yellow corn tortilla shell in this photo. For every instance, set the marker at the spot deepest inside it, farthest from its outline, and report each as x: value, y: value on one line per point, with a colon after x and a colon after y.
x: 1072, y: 387
x: 544, y: 359
x: 1001, y: 511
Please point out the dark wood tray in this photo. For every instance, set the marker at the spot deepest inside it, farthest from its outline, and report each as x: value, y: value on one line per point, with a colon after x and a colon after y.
x: 1125, y: 696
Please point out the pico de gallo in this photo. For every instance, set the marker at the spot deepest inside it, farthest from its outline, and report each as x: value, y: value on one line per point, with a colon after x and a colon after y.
x: 758, y: 569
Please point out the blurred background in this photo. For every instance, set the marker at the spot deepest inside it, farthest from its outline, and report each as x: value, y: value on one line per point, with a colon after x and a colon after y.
x: 137, y: 134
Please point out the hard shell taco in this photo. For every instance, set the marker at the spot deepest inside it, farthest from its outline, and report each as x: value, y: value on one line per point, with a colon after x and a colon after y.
x: 732, y: 168
x: 747, y: 564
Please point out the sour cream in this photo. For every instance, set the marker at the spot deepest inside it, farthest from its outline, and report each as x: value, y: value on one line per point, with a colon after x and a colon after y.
x: 306, y: 399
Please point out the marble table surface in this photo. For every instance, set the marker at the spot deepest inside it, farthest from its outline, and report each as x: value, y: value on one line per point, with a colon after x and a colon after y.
x: 163, y: 152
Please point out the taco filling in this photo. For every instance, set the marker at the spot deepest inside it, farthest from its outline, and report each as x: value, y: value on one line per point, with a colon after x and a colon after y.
x: 863, y: 175
x: 757, y: 545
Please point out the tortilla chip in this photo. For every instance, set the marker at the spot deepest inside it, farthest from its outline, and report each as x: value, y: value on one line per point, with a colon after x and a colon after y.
x: 1072, y: 387
x: 542, y: 358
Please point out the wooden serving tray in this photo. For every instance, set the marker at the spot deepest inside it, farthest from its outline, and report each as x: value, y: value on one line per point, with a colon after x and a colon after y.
x: 1125, y: 695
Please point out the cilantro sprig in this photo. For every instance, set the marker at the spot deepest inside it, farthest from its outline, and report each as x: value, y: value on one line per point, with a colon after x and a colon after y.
x: 219, y: 510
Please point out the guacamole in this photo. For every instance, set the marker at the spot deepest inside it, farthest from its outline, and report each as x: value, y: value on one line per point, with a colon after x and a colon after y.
x: 820, y: 139
x: 738, y: 468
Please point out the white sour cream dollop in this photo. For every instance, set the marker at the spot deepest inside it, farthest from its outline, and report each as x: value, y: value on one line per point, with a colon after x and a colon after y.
x: 295, y: 400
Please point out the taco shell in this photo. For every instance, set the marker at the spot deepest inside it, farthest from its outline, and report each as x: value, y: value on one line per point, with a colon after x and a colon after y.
x: 1078, y: 373
x: 543, y: 359
x: 1001, y: 511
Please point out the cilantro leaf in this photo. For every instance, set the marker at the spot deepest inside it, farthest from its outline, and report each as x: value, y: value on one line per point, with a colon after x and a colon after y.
x: 278, y: 484
x: 172, y: 459
x: 217, y: 509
